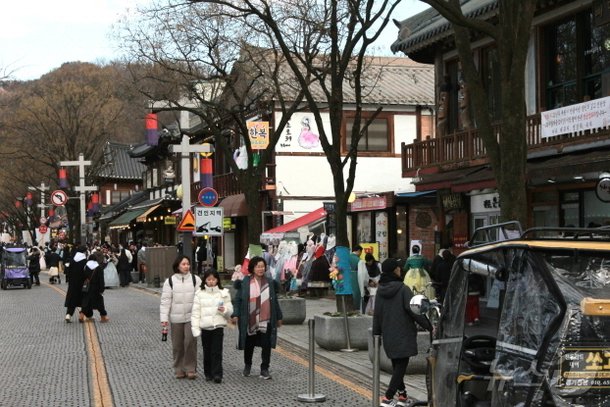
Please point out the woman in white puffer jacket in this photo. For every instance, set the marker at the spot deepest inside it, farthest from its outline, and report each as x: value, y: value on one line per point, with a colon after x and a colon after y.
x: 212, y: 308
x: 176, y: 305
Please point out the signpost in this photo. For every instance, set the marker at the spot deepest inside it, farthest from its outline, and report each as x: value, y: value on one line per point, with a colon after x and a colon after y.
x: 82, y: 189
x: 208, y: 196
x: 209, y: 221
x: 185, y: 148
x: 59, y: 197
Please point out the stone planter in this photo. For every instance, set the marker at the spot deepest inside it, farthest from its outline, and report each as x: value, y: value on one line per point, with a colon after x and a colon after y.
x: 330, y: 331
x: 293, y: 310
x: 417, y: 364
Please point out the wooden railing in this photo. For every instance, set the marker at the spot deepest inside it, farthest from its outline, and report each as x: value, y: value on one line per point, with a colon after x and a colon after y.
x: 227, y: 184
x: 461, y: 148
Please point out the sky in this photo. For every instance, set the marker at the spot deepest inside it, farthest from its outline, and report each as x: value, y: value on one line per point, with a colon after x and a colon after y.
x: 38, y: 36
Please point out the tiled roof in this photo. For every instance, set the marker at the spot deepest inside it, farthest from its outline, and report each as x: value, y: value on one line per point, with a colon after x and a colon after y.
x: 118, y: 164
x: 428, y: 27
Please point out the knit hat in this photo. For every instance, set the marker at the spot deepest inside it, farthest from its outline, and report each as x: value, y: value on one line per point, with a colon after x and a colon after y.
x: 389, y: 265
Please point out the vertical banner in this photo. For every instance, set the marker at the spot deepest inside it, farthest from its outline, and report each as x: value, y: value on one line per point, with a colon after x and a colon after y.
x: 258, y: 133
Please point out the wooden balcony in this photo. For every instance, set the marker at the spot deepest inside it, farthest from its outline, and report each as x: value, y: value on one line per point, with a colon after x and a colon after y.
x: 465, y: 148
x: 227, y: 184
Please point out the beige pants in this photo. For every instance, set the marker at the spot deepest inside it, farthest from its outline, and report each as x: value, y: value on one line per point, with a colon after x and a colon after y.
x: 184, y: 348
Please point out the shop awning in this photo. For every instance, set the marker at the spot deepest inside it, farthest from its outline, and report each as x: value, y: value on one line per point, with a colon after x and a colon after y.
x: 310, y: 219
x: 414, y: 194
x: 234, y: 205
x: 126, y: 218
x: 142, y: 217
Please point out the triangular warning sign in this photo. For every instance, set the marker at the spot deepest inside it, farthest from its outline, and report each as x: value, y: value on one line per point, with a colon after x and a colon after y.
x: 187, y: 224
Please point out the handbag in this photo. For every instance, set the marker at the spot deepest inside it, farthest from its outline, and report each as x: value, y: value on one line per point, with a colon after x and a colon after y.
x: 86, y: 283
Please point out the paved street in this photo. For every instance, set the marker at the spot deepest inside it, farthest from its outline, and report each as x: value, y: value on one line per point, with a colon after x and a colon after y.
x: 46, y: 362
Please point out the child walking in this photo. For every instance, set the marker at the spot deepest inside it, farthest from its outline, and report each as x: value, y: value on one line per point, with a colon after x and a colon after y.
x: 211, y: 309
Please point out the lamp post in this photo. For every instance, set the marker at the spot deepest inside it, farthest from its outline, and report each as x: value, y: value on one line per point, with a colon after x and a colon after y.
x: 82, y: 189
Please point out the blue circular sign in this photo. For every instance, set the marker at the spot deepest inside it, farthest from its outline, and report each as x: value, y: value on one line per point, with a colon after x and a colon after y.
x: 208, y: 196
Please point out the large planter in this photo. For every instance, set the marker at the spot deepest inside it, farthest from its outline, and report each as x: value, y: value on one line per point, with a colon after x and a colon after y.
x: 330, y: 331
x: 417, y: 364
x: 293, y: 310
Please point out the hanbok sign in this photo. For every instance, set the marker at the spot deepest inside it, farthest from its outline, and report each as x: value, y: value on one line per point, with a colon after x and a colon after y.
x: 301, y: 134
x: 258, y: 133
x: 589, y: 115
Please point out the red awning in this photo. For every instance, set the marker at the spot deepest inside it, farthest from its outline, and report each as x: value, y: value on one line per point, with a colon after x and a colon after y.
x: 304, y: 220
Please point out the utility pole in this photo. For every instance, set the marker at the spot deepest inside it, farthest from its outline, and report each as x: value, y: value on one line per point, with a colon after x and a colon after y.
x: 185, y: 148
x: 42, y: 188
x: 81, y: 188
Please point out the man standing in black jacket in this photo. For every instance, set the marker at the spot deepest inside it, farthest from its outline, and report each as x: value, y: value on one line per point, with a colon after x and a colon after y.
x: 395, y: 322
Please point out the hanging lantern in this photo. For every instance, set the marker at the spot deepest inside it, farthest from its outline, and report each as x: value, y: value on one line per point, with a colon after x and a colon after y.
x: 29, y: 199
x: 152, y: 132
x: 17, y: 203
x: 256, y: 159
x: 51, y: 213
x: 95, y: 202
x: 206, y: 178
x: 63, y: 178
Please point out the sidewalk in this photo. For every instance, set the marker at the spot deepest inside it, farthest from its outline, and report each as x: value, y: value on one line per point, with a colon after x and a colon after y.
x: 358, y: 362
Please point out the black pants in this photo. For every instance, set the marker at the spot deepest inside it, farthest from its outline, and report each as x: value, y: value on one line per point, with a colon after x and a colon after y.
x: 34, y: 278
x: 100, y: 306
x: 211, y: 341
x: 397, y: 382
x: 257, y: 340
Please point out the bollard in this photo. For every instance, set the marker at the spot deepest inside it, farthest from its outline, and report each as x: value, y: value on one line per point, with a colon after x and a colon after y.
x: 312, y: 397
x: 346, y: 324
x: 376, y: 342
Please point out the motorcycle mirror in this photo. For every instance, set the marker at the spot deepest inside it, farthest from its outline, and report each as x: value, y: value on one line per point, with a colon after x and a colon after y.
x: 419, y: 304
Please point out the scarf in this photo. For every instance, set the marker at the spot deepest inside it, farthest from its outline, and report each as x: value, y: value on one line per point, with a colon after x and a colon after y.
x: 259, y: 307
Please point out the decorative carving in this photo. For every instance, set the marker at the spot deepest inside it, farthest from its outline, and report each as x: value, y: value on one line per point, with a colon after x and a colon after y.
x: 464, y: 105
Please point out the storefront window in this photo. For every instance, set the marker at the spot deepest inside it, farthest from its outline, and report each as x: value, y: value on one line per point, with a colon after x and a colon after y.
x: 402, y: 232
x: 596, y: 213
x: 364, y: 228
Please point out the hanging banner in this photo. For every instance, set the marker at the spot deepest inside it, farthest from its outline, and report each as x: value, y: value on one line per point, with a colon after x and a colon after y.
x: 259, y: 135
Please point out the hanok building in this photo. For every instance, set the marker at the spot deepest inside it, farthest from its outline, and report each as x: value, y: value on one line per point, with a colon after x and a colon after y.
x: 568, y: 108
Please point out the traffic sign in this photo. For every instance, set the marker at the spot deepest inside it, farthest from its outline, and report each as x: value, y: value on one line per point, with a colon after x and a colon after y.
x: 187, y: 224
x: 207, y: 196
x: 208, y: 221
x: 59, y: 197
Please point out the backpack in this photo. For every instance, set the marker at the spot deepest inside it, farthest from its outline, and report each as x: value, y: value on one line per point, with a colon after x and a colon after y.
x: 171, y: 284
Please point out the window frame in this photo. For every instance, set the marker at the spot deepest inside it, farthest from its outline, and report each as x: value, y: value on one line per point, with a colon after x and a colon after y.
x: 387, y: 116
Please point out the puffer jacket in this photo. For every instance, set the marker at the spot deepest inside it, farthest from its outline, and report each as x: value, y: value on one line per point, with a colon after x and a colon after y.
x: 205, y: 314
x: 177, y: 302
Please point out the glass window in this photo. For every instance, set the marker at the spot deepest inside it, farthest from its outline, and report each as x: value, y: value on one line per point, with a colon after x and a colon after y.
x: 364, y: 228
x: 596, y: 212
x: 375, y: 138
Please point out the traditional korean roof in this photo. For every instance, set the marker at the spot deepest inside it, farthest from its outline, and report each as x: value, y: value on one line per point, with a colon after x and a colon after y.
x: 118, y: 164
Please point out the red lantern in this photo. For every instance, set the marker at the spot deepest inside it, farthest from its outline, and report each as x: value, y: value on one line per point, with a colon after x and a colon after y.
x: 51, y: 212
x: 63, y: 178
x: 17, y: 203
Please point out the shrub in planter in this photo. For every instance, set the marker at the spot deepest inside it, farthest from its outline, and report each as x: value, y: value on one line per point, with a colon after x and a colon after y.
x: 330, y: 331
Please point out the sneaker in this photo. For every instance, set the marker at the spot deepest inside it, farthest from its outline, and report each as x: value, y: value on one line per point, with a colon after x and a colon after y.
x: 191, y: 375
x: 385, y: 402
x: 246, y: 371
x: 180, y: 375
x: 265, y: 374
x: 104, y: 318
x: 81, y: 317
x: 402, y: 399
x: 68, y: 318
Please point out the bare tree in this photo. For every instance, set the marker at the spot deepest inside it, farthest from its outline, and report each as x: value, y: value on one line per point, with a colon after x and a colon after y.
x: 507, y: 151
x: 335, y: 36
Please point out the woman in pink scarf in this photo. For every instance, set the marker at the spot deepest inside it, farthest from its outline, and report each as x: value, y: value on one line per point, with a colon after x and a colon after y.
x: 258, y: 315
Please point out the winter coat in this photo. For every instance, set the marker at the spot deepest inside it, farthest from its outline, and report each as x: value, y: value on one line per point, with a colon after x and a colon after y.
x: 124, y: 261
x: 94, y: 272
x: 240, y: 310
x: 205, y: 314
x: 75, y: 274
x: 34, y: 262
x: 177, y: 302
x: 394, y: 320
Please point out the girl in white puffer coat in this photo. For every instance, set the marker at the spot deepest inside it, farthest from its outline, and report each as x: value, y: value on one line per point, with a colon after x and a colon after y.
x: 211, y: 310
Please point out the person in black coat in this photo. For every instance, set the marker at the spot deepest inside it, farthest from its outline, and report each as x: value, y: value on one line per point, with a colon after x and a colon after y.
x: 34, y: 265
x: 75, y: 275
x: 395, y: 322
x: 93, y: 298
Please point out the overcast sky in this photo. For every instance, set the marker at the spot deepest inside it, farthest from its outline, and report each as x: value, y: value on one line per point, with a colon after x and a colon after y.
x: 37, y: 36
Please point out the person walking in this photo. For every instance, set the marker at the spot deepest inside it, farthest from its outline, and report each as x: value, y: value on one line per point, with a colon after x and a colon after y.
x: 394, y: 321
x: 124, y: 260
x: 52, y: 259
x: 34, y: 265
x: 75, y: 276
x: 142, y: 266
x: 369, y: 272
x: 176, y: 307
x: 211, y: 309
x: 93, y: 288
x: 258, y: 315
x: 354, y: 260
